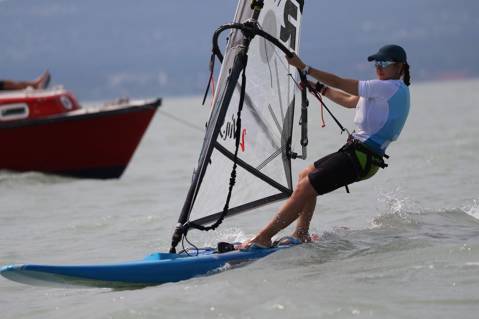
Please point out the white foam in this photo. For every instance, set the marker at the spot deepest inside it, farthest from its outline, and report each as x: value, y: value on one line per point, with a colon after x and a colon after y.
x: 472, y: 210
x: 472, y: 263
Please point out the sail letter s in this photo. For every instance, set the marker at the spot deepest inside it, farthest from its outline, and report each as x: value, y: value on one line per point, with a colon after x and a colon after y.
x: 288, y: 32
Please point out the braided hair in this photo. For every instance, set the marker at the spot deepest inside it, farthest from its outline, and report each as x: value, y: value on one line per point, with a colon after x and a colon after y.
x: 406, y: 75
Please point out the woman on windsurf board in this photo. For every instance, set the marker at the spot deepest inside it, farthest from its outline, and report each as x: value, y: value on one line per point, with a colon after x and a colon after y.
x: 382, y: 107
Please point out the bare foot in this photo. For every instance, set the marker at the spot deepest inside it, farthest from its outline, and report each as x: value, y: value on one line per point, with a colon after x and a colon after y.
x: 301, y: 235
x: 42, y: 81
x: 260, y: 242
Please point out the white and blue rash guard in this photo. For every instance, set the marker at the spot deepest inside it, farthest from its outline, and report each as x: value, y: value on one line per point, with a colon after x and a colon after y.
x: 381, y: 112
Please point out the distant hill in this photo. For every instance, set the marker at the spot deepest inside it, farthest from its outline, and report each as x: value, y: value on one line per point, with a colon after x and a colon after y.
x: 109, y: 48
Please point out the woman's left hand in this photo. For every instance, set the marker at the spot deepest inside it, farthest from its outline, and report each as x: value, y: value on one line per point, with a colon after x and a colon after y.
x: 296, y: 62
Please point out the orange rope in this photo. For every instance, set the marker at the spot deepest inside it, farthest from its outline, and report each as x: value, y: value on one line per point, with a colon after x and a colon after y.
x: 316, y: 94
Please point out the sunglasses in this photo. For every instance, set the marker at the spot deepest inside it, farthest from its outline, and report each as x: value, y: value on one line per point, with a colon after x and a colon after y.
x: 383, y: 64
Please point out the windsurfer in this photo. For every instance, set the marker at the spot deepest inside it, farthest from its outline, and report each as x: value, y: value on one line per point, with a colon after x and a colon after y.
x: 382, y: 106
x: 40, y: 82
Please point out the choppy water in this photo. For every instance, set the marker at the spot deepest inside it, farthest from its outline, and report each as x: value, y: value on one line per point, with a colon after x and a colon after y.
x: 404, y: 244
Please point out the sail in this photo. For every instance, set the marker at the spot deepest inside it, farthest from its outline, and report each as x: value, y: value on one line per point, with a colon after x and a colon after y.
x: 264, y: 165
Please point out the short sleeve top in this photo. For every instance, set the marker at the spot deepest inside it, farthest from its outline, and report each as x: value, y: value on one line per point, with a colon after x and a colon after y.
x: 381, y: 112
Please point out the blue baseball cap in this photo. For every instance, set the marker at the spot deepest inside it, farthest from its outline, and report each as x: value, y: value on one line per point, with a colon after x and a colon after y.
x: 391, y: 52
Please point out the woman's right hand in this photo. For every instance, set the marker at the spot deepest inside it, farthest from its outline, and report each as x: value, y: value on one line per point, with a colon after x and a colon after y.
x: 317, y: 86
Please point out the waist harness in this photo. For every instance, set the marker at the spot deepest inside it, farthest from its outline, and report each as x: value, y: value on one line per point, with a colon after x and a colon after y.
x: 365, y: 161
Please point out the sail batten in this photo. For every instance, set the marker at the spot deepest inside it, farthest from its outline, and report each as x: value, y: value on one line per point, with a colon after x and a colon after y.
x: 255, y: 171
x: 243, y: 208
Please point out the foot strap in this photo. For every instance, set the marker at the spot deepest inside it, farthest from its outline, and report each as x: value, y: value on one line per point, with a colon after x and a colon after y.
x: 224, y: 247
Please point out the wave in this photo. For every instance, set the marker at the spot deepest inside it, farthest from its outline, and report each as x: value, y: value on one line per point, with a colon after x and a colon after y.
x: 472, y: 210
x: 28, y: 178
x: 403, y: 225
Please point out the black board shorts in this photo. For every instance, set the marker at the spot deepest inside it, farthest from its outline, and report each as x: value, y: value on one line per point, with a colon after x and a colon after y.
x: 333, y: 171
x: 352, y: 163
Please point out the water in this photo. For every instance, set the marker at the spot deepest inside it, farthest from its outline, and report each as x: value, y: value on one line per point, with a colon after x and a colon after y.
x: 404, y: 244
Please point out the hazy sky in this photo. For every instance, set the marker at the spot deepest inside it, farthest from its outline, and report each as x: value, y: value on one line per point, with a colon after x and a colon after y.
x: 109, y: 48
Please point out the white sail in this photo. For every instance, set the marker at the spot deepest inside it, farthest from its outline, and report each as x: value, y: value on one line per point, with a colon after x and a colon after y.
x: 264, y: 168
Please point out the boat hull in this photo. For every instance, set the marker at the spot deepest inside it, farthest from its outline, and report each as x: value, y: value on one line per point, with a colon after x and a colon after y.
x: 88, y: 143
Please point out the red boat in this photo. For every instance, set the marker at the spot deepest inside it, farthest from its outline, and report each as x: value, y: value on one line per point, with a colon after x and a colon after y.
x: 48, y: 131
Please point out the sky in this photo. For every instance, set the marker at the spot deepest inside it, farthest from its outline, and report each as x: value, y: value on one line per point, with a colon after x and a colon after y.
x: 103, y: 49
